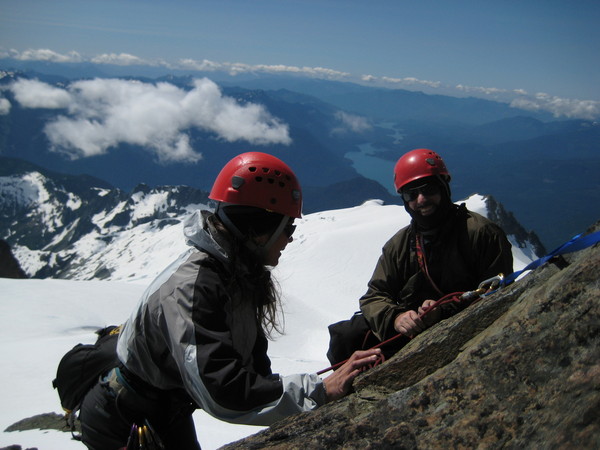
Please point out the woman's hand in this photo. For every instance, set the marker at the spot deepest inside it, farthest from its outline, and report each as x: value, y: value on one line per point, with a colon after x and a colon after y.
x: 339, y: 383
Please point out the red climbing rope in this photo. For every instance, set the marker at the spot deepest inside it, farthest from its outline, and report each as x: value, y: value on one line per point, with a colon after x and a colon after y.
x: 485, y: 288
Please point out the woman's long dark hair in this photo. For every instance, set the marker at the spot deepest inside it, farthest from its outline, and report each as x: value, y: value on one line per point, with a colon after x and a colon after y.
x: 249, y: 273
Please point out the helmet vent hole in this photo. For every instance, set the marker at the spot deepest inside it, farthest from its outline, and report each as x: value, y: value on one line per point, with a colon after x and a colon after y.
x: 259, y: 179
x: 237, y: 182
x: 270, y: 180
x: 252, y: 169
x: 281, y: 184
x: 265, y: 170
x: 278, y: 173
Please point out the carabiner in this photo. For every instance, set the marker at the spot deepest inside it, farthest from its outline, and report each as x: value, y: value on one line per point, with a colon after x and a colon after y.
x: 491, y: 283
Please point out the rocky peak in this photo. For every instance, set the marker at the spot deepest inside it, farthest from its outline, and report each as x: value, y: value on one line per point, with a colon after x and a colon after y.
x: 510, y: 225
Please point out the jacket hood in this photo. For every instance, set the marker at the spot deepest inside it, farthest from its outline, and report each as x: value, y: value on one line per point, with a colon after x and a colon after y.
x: 202, y: 235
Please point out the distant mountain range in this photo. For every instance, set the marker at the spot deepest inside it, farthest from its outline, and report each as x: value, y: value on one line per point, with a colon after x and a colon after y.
x: 543, y: 170
x: 76, y: 227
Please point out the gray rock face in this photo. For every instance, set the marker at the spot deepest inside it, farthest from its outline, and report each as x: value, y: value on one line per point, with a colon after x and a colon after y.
x: 518, y: 369
x: 9, y: 266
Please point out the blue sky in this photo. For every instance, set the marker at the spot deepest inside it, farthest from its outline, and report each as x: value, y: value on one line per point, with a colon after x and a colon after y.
x: 538, y: 46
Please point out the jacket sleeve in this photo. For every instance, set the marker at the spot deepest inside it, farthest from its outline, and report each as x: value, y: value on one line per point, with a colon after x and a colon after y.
x: 378, y: 304
x: 493, y: 250
x: 220, y: 378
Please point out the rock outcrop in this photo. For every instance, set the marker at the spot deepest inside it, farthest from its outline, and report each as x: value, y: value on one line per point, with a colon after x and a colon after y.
x: 9, y: 266
x: 518, y: 369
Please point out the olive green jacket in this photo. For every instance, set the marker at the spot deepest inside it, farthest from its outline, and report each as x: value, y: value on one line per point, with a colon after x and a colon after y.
x: 466, y: 251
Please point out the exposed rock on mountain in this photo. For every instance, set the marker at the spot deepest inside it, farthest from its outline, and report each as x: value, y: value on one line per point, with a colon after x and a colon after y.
x: 519, y: 369
x: 9, y: 266
x: 58, y: 226
x: 511, y: 226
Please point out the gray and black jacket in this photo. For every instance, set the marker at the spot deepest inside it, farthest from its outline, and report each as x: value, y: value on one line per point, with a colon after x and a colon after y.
x: 194, y: 332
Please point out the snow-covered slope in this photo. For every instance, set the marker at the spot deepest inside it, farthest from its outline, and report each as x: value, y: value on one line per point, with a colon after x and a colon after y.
x: 322, y: 273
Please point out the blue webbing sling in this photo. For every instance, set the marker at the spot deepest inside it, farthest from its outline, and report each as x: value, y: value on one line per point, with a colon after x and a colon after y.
x: 576, y: 243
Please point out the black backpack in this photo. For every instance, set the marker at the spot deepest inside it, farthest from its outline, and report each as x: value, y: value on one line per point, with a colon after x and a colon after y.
x: 80, y: 368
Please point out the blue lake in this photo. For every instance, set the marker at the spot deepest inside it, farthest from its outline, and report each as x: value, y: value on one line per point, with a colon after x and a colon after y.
x: 370, y: 166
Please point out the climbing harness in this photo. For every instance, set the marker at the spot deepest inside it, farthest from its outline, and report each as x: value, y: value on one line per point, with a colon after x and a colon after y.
x: 486, y: 287
x: 143, y: 437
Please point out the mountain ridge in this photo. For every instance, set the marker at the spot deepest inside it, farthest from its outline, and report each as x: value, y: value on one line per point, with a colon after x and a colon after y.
x: 77, y: 234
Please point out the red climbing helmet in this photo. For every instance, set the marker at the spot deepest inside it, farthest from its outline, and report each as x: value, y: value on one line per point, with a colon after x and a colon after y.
x: 419, y: 163
x: 259, y: 180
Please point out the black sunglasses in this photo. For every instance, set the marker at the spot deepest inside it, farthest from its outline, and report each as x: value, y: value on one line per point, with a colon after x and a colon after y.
x: 289, y: 229
x: 409, y: 195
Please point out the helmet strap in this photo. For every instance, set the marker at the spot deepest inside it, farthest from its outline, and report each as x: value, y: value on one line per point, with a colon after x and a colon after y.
x: 221, y: 214
x: 445, y: 185
x: 276, y: 233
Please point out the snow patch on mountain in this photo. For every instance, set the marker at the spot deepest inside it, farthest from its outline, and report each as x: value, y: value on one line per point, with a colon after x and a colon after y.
x: 111, y: 235
x: 29, y: 191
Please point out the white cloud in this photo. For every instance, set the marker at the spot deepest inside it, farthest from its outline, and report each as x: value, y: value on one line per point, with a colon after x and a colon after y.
x: 36, y: 94
x: 237, y: 68
x: 121, y: 59
x: 412, y: 81
x: 404, y: 82
x: 204, y: 66
x: 102, y: 113
x: 4, y: 106
x: 44, y: 54
x: 492, y: 92
x: 351, y: 122
x: 482, y: 90
x: 572, y: 108
x: 519, y: 98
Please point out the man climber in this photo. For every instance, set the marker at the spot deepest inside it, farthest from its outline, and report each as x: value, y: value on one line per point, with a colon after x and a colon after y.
x: 446, y: 248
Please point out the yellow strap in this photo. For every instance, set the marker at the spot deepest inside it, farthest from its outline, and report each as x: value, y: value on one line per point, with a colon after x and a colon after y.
x: 116, y: 330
